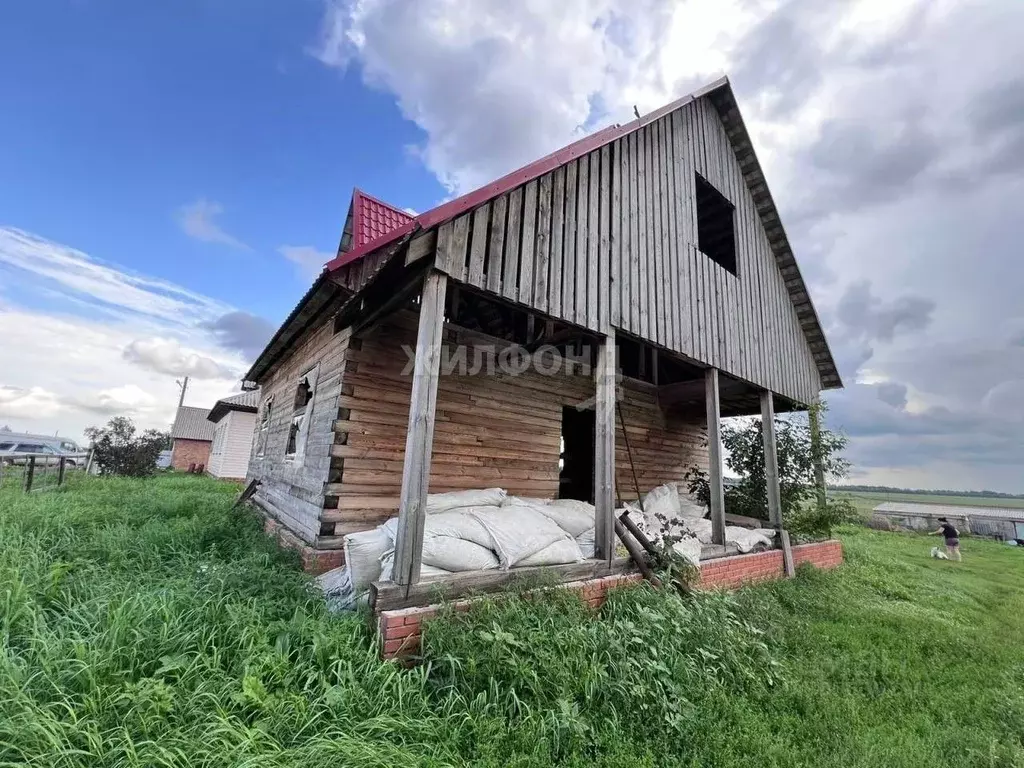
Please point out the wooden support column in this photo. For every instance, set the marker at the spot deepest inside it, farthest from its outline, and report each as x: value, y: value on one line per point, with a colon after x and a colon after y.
x: 420, y: 435
x: 604, y: 450
x: 814, y: 423
x: 715, y: 456
x: 771, y: 460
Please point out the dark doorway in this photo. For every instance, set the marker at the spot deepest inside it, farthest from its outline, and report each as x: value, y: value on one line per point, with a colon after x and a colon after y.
x: 576, y: 473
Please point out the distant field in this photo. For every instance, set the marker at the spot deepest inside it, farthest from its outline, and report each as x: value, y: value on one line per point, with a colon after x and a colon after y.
x: 871, y: 499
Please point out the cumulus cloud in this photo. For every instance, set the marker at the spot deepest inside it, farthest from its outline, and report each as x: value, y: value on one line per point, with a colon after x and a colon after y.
x: 309, y: 260
x: 30, y: 402
x: 168, y: 356
x: 242, y: 332
x: 197, y: 220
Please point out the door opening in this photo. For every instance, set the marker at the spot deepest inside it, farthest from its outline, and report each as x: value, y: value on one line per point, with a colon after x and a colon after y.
x: 576, y: 466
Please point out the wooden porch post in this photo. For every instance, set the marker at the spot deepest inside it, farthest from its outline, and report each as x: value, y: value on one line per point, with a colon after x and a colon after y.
x: 715, y: 457
x: 604, y: 450
x: 771, y: 460
x: 420, y: 435
x: 819, y: 468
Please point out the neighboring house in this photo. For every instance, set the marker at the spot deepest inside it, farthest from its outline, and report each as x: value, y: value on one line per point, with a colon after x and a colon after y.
x: 233, y: 419
x: 646, y: 266
x: 191, y: 438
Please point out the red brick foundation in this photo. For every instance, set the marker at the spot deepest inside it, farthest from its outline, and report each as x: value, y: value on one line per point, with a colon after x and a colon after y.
x: 401, y: 630
x: 314, y: 561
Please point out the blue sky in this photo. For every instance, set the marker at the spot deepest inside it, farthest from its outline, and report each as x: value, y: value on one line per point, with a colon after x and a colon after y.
x: 118, y: 114
x: 173, y: 174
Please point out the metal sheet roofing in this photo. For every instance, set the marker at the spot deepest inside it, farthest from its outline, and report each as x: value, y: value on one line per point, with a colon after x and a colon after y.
x: 243, y: 401
x: 191, y: 424
x: 948, y: 510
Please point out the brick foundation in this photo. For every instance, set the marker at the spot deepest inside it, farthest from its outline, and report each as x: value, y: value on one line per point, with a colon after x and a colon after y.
x: 314, y: 561
x: 401, y: 630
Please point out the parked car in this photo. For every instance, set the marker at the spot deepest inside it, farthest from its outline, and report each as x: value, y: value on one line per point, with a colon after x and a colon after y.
x: 18, y: 452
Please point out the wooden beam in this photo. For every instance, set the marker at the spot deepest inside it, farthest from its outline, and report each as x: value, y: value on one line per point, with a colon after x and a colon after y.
x: 386, y: 596
x: 604, y: 450
x: 771, y: 460
x: 715, y: 457
x: 420, y: 434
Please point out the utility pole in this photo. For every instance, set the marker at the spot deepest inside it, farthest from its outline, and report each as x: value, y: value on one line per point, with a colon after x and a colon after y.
x: 183, y: 385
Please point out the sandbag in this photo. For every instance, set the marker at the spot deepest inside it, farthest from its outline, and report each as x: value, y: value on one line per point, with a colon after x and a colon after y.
x: 662, y: 502
x: 442, y: 502
x: 700, y: 528
x: 453, y: 554
x: 530, y: 501
x: 571, y: 515
x: 562, y: 551
x: 427, y: 572
x: 690, y: 509
x: 363, y: 551
x: 585, y: 541
x: 518, y: 531
x: 745, y: 539
x: 689, y: 548
x: 459, y: 524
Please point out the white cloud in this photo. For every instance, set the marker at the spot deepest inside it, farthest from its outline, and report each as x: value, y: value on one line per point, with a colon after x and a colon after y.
x: 197, y: 221
x: 114, y: 347
x: 308, y: 259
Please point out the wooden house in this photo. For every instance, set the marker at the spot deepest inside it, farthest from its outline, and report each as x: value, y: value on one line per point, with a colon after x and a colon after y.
x: 643, y: 275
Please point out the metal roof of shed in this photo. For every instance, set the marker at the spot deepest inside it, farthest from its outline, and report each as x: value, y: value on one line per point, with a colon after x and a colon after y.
x: 191, y: 424
x: 948, y: 510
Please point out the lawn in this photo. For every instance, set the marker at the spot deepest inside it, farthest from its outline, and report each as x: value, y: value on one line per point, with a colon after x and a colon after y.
x: 146, y: 623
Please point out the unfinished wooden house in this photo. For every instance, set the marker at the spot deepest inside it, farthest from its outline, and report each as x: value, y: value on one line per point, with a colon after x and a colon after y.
x: 587, y: 317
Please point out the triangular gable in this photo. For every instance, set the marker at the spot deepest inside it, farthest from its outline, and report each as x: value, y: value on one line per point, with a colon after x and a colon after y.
x: 369, y: 219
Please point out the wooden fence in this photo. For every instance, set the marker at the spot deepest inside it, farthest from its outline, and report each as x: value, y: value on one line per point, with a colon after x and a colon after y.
x: 41, y: 471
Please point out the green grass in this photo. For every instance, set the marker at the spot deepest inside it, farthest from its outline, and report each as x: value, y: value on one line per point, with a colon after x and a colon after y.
x: 143, y: 623
x: 871, y: 499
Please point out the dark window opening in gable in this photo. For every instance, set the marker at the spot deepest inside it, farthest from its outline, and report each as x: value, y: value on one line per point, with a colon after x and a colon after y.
x: 716, y: 233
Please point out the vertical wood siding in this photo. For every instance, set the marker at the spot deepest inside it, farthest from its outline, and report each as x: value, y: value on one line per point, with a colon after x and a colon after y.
x: 610, y: 241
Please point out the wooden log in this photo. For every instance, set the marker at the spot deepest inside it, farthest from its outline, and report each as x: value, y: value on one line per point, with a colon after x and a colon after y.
x: 419, y: 440
x: 604, y: 450
x: 61, y: 467
x: 787, y: 555
x: 771, y: 460
x: 30, y: 473
x: 715, y: 457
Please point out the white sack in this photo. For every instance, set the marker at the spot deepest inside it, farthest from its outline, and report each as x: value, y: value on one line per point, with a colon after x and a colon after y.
x: 571, y: 515
x: 442, y: 502
x: 690, y: 509
x: 663, y: 501
x: 585, y: 541
x: 700, y: 528
x: 363, y: 551
x: 562, y: 551
x: 745, y: 539
x: 689, y: 548
x: 459, y: 524
x: 427, y: 572
x: 453, y: 554
x: 530, y: 501
x: 518, y: 532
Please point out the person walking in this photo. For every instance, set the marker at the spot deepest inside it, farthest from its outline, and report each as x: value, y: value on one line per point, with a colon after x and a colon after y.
x: 952, y: 537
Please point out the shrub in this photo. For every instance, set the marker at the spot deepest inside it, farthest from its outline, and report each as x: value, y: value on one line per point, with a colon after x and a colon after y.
x: 117, y: 451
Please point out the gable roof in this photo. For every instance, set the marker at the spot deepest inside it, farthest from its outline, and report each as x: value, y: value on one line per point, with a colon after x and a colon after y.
x: 368, y: 220
x: 247, y: 402
x: 191, y: 424
x: 721, y: 95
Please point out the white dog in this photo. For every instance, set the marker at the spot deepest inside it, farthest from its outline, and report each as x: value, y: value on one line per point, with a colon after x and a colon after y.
x: 938, y: 554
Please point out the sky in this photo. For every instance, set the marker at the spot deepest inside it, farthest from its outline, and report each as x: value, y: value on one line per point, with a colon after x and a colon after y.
x: 172, y: 176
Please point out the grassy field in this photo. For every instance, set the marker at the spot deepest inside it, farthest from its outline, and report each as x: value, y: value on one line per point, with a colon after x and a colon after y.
x: 143, y: 623
x: 868, y: 500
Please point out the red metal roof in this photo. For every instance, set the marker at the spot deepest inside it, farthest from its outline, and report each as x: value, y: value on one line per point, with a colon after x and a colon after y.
x: 373, y: 218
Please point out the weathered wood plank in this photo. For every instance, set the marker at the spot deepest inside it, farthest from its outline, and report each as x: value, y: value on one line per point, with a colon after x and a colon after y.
x: 525, y: 295
x: 619, y: 271
x: 569, y: 298
x: 542, y: 246
x: 557, y: 240
x: 606, y: 256
x: 582, y: 246
x: 643, y: 254
x: 419, y: 441
x: 604, y: 450
x: 715, y: 457
x: 594, y: 240
x: 510, y: 278
x: 444, y: 260
x: 496, y: 246
x: 460, y: 247
x: 632, y: 178
x: 478, y: 246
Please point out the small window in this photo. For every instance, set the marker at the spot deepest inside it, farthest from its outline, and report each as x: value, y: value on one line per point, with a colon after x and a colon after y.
x: 6, y: 446
x: 295, y: 448
x: 29, y: 447
x: 716, y: 236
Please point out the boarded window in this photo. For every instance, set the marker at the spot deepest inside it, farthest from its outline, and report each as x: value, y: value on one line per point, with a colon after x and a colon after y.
x: 264, y: 428
x: 716, y: 234
x: 302, y: 412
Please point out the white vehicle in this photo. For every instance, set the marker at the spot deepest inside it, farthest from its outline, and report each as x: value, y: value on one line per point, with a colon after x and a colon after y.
x: 18, y: 452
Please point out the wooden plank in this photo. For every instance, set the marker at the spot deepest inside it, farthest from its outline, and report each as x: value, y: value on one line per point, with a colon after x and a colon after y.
x: 419, y: 441
x: 771, y: 461
x: 569, y: 253
x: 510, y: 278
x: 557, y: 217
x: 526, y: 255
x: 386, y: 596
x: 615, y: 236
x: 660, y: 271
x: 715, y: 457
x: 642, y: 252
x: 444, y: 260
x: 594, y: 250
x: 582, y: 247
x: 787, y: 555
x: 421, y: 246
x: 632, y: 298
x: 542, y: 246
x: 604, y: 450
x: 497, y: 243
x: 478, y: 246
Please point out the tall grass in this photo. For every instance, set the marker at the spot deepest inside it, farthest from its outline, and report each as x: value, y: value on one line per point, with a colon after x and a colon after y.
x: 145, y: 623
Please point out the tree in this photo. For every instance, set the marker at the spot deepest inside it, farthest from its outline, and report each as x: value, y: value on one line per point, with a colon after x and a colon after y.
x: 117, y: 450
x: 744, y: 446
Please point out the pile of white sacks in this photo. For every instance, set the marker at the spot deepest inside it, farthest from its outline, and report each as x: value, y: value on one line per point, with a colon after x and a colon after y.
x: 481, y: 530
